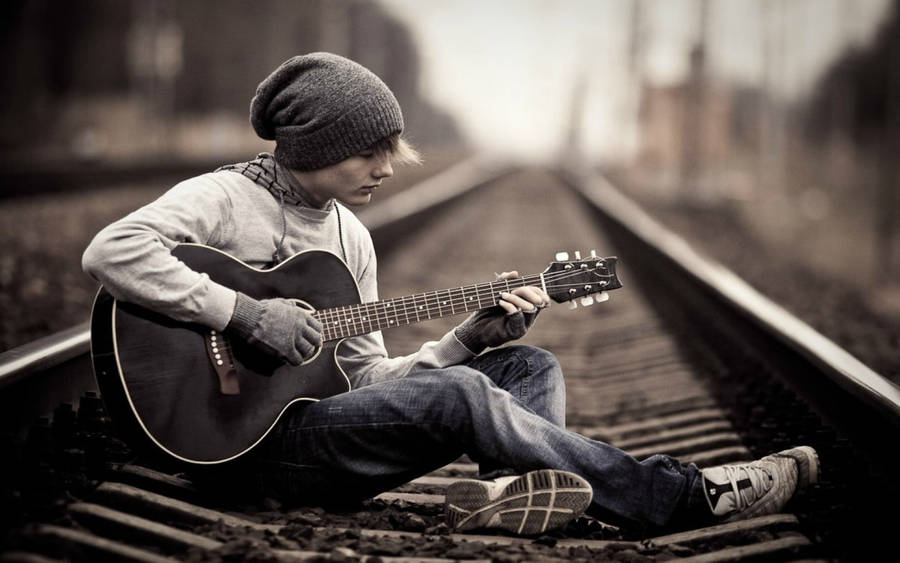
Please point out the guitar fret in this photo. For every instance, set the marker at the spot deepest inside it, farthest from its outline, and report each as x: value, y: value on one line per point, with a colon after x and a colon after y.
x: 468, y: 300
x: 321, y: 315
x: 495, y: 293
x: 371, y: 317
x: 351, y: 319
x: 434, y: 303
x: 360, y: 320
x: 336, y: 323
x: 406, y: 310
x: 368, y: 318
x: 480, y: 304
x: 380, y: 310
x: 388, y: 310
x: 345, y: 319
x: 329, y: 314
x: 416, y: 308
x: 399, y: 311
x: 429, y: 306
x: 400, y: 314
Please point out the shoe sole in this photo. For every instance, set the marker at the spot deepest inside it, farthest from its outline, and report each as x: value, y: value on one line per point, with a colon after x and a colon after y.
x: 807, y: 464
x: 531, y: 504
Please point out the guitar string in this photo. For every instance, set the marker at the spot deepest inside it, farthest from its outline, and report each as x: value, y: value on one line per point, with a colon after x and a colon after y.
x: 462, y: 294
x: 358, y: 315
x: 355, y: 317
x: 436, y: 297
x: 386, y: 309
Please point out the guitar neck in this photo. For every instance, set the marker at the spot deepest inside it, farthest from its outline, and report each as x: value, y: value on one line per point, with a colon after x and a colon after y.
x: 363, y: 318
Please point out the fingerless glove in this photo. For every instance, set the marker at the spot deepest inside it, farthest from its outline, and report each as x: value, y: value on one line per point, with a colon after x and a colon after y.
x: 492, y: 327
x: 277, y: 326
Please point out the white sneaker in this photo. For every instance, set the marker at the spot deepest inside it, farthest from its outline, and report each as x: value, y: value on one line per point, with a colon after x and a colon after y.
x: 735, y: 492
x: 529, y: 504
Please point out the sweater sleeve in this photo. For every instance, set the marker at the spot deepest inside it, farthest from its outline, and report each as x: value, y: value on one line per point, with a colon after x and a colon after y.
x: 132, y: 256
x: 365, y: 358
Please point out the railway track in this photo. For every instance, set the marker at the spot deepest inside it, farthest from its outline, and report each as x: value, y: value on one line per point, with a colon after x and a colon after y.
x: 667, y: 365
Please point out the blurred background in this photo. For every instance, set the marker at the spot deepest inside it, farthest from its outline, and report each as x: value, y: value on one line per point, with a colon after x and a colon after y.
x: 765, y: 131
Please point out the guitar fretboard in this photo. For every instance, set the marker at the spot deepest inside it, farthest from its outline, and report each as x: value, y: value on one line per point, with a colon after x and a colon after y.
x: 352, y: 320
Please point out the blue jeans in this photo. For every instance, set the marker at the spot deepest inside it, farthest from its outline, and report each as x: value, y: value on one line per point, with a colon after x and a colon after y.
x: 505, y: 409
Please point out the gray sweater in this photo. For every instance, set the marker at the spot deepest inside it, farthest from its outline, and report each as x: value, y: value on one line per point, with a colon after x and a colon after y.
x: 229, y: 211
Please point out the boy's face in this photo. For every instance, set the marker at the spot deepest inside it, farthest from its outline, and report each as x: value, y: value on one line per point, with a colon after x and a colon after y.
x: 350, y: 181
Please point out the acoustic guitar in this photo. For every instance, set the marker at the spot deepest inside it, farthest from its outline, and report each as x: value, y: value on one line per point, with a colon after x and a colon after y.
x: 195, y: 395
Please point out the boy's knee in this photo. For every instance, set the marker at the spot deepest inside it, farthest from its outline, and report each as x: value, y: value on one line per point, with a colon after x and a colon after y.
x: 540, y: 361
x: 457, y: 382
x: 543, y: 358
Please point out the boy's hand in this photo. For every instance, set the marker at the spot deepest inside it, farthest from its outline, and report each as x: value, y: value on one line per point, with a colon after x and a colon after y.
x: 278, y: 327
x: 514, y: 314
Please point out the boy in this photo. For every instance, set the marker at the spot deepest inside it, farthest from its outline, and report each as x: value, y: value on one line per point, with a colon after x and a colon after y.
x: 337, y: 129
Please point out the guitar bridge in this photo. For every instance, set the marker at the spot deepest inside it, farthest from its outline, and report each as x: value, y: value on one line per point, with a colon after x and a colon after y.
x: 222, y: 360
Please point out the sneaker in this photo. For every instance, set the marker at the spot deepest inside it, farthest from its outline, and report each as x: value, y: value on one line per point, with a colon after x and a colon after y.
x: 735, y: 492
x: 527, y: 504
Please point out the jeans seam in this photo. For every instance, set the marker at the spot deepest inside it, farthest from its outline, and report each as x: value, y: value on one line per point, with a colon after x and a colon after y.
x: 529, y: 369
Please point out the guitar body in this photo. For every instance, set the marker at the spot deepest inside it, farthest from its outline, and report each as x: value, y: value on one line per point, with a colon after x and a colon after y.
x: 159, y: 380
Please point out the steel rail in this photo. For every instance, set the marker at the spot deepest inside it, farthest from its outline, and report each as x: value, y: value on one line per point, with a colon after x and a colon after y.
x: 839, y: 365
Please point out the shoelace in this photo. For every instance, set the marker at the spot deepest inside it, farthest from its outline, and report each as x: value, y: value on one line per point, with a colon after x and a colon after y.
x: 758, y: 477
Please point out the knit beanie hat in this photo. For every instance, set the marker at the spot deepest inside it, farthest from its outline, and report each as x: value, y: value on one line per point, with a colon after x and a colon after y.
x: 321, y: 108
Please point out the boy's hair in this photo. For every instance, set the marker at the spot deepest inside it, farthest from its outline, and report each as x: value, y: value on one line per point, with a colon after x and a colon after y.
x: 398, y: 149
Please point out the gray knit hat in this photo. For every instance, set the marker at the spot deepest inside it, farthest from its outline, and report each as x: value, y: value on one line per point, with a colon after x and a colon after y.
x: 321, y: 108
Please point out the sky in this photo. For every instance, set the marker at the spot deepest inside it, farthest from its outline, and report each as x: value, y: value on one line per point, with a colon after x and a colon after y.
x: 508, y: 69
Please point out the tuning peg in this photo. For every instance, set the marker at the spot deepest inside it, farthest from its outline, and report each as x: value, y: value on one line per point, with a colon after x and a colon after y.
x: 593, y: 253
x: 578, y: 255
x: 601, y: 297
x: 573, y: 305
x: 562, y: 256
x: 587, y: 301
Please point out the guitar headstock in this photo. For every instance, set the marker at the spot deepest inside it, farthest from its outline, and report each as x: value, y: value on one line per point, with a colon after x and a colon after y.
x: 567, y: 280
